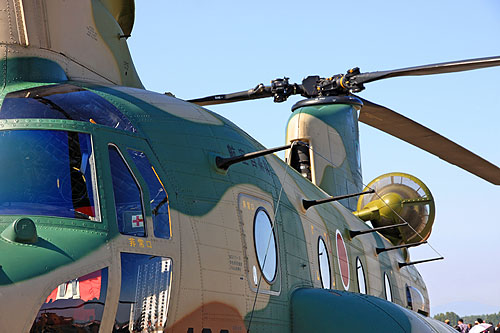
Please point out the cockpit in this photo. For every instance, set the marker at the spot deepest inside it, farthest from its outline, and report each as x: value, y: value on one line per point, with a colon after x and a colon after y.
x: 77, y: 168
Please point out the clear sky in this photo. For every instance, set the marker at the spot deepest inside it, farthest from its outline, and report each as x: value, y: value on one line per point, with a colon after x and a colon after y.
x: 199, y: 48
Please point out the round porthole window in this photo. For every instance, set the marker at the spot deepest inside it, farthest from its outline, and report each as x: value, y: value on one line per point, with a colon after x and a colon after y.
x: 265, y: 244
x: 361, y: 276
x: 387, y: 284
x: 324, y: 264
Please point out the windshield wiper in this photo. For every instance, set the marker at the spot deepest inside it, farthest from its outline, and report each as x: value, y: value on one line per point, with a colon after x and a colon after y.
x: 161, y: 203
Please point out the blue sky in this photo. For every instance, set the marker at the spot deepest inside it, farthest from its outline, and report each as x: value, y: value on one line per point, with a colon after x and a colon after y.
x: 196, y: 48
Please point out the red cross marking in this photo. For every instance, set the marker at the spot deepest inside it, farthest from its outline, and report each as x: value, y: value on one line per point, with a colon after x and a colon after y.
x: 137, y: 220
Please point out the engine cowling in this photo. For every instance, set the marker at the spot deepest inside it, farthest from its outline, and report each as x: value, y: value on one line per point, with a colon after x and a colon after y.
x: 322, y: 310
x: 398, y: 197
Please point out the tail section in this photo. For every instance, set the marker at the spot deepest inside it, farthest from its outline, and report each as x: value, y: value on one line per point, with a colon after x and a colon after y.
x: 86, y: 38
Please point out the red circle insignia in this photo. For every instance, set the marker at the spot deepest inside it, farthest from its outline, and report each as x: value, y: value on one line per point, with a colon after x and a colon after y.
x: 343, y: 260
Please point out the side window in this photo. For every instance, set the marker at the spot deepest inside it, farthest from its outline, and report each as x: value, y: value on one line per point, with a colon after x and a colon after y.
x: 145, y: 293
x: 265, y: 245
x: 260, y: 233
x: 408, y: 298
x: 324, y: 264
x: 361, y: 276
x: 415, y: 299
x: 74, y: 305
x: 128, y: 199
x: 387, y: 285
x: 158, y: 198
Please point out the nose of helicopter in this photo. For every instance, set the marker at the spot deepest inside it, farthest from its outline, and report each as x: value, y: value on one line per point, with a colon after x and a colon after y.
x: 33, y: 246
x: 38, y: 254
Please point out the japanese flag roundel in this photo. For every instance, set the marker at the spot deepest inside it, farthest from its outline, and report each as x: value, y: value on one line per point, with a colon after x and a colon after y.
x: 343, y: 260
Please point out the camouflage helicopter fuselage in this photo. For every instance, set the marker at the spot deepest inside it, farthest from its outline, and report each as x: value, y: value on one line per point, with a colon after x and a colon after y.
x: 207, y: 245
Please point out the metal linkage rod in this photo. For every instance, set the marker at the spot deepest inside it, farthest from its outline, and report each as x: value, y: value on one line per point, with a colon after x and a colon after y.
x: 403, y: 264
x: 309, y: 203
x: 225, y: 162
x: 354, y: 233
x: 280, y: 89
x: 383, y: 249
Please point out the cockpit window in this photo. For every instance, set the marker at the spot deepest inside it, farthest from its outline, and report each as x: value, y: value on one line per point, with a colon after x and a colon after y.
x: 63, y: 101
x: 158, y: 198
x: 47, y: 173
x: 128, y: 198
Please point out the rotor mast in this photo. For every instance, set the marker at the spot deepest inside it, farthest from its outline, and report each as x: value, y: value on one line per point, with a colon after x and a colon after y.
x: 318, y: 90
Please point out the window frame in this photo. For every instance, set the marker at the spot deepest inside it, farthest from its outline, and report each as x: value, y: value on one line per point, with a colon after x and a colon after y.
x: 95, y: 185
x: 137, y: 182
x: 257, y: 211
x: 139, y: 176
x: 98, y: 217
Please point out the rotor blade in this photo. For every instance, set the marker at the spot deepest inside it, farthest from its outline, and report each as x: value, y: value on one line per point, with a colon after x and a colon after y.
x: 412, y: 132
x: 440, y: 68
x: 260, y: 91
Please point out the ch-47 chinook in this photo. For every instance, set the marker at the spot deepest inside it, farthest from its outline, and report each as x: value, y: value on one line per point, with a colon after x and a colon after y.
x: 124, y: 210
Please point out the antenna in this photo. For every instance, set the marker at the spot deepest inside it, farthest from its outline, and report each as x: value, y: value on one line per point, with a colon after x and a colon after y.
x: 404, y: 246
x: 224, y: 163
x: 309, y: 203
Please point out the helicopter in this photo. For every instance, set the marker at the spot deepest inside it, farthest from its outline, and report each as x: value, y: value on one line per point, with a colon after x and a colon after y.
x: 258, y: 53
x: 126, y: 210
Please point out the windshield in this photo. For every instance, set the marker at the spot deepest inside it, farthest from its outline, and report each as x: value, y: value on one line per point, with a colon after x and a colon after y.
x: 63, y: 101
x: 48, y: 173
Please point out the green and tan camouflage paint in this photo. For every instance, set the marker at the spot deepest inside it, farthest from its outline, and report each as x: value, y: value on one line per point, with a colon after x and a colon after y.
x: 211, y: 216
x: 332, y: 133
x: 210, y: 227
